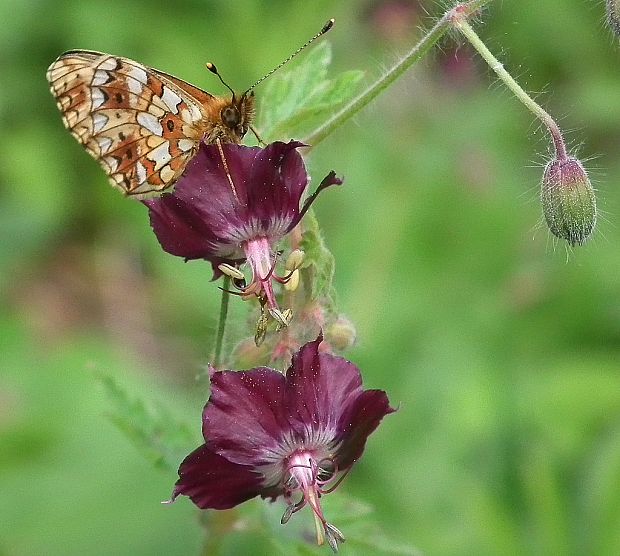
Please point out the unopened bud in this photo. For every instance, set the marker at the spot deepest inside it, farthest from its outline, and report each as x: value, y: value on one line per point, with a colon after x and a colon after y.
x: 341, y: 334
x: 568, y: 200
x: 613, y: 16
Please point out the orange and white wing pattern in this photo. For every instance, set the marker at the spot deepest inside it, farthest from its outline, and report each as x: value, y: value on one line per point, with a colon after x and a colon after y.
x: 143, y: 126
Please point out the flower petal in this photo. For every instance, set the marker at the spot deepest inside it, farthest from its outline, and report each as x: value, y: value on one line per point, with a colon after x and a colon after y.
x: 243, y: 419
x: 212, y: 481
x: 208, y: 217
x: 319, y: 386
x: 357, y: 422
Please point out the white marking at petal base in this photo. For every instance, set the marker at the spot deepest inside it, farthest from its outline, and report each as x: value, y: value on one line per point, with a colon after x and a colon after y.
x: 141, y: 172
x: 139, y: 74
x: 99, y: 122
x: 104, y: 143
x: 185, y: 144
x: 171, y: 99
x: 100, y: 78
x: 150, y: 122
x: 109, y: 64
x: 97, y: 98
x: 160, y: 155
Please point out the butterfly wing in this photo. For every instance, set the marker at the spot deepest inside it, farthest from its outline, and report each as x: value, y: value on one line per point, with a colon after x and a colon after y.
x: 141, y: 125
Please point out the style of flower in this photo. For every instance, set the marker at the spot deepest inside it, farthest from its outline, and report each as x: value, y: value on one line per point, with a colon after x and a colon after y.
x: 233, y: 204
x: 294, y: 435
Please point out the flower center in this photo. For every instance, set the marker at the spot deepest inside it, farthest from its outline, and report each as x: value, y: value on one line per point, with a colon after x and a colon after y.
x: 308, y: 475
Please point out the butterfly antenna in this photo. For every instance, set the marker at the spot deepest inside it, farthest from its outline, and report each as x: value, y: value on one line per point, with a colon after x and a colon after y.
x: 324, y: 30
x: 211, y: 67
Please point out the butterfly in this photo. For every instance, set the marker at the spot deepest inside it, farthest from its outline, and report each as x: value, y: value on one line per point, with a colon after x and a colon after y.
x: 142, y: 125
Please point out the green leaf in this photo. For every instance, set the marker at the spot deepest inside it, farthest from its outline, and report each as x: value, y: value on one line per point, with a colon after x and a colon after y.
x: 154, y: 431
x: 319, y: 264
x: 296, y: 100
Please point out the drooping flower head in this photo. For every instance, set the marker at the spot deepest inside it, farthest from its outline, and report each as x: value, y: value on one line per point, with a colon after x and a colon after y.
x: 270, y: 435
x: 234, y: 204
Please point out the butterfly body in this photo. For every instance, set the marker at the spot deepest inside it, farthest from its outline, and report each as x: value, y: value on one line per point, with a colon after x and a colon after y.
x: 142, y: 125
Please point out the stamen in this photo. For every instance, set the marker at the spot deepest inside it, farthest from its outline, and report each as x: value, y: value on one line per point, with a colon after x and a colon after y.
x: 294, y: 260
x: 334, y: 536
x: 232, y: 292
x: 231, y: 271
x: 291, y: 283
x: 336, y: 484
x: 290, y: 510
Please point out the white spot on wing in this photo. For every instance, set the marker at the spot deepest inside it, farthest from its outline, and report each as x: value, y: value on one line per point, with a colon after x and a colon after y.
x: 139, y: 74
x: 185, y: 144
x: 112, y: 163
x: 99, y: 122
x: 109, y: 64
x: 97, y: 98
x: 141, y: 172
x: 160, y: 155
x: 104, y: 143
x: 150, y: 122
x: 134, y: 85
x: 171, y: 99
x: 100, y: 78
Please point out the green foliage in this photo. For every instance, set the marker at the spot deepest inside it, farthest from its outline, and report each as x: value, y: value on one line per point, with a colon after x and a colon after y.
x: 293, y: 100
x: 155, y: 432
x: 319, y: 264
x: 501, y: 354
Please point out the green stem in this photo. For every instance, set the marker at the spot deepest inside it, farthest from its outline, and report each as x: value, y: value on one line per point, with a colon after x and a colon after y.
x: 556, y: 135
x: 464, y: 9
x: 221, y: 325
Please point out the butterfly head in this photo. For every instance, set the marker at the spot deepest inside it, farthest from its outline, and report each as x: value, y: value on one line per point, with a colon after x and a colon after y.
x: 237, y: 116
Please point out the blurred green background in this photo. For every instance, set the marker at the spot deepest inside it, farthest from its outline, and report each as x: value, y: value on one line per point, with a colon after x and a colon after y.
x: 499, y: 345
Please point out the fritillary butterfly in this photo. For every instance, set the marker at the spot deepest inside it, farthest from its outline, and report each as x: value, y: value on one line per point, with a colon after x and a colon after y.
x: 140, y: 124
x: 143, y: 125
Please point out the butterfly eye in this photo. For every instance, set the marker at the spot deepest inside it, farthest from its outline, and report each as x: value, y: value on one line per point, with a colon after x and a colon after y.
x: 230, y: 117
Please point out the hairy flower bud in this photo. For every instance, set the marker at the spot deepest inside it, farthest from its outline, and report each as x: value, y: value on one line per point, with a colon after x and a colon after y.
x: 568, y: 200
x: 613, y: 16
x: 341, y: 333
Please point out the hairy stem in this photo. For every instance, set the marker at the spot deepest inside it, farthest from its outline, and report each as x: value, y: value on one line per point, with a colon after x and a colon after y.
x: 461, y: 10
x: 554, y: 130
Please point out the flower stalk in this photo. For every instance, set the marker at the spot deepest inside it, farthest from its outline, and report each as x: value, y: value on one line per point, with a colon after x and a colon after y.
x: 468, y: 32
x: 221, y: 323
x: 462, y: 10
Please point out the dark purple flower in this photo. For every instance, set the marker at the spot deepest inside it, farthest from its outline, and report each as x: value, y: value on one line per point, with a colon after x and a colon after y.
x: 234, y: 203
x: 267, y: 434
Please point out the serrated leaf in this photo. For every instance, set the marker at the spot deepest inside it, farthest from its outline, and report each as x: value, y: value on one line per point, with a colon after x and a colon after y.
x: 319, y: 264
x: 294, y: 101
x: 158, y: 435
